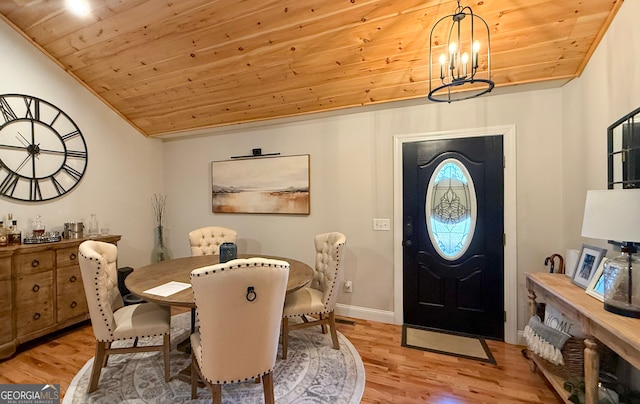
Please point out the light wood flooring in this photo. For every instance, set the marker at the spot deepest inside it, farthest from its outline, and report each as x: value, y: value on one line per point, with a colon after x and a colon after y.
x: 394, y: 374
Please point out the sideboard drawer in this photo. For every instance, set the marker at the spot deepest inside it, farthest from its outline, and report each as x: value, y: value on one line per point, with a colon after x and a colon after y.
x: 71, y: 301
x: 5, y: 311
x: 66, y: 257
x: 5, y: 268
x: 32, y: 263
x: 34, y: 302
x: 41, y: 290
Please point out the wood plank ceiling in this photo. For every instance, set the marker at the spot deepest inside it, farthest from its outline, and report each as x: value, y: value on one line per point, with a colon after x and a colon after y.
x: 171, y: 66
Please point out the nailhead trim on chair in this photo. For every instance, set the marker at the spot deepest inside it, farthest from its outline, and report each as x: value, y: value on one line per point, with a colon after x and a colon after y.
x: 103, y: 314
x: 246, y: 379
x: 333, y: 286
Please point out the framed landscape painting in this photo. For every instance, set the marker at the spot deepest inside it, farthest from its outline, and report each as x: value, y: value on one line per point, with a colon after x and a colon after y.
x: 261, y: 185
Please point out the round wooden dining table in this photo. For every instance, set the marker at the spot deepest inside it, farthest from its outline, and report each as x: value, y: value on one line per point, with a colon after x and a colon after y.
x: 179, y: 269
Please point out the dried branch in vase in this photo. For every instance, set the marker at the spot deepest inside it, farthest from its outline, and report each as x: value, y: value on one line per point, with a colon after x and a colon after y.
x: 159, y: 201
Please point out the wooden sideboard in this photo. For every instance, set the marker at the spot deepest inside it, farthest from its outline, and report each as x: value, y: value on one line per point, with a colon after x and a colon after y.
x: 40, y: 290
x: 621, y: 334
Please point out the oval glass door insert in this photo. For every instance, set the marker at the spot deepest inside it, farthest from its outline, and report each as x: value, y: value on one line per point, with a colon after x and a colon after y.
x: 451, y: 209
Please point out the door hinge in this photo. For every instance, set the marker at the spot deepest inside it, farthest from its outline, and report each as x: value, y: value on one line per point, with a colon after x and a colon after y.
x: 504, y: 239
x: 505, y: 316
x: 504, y: 161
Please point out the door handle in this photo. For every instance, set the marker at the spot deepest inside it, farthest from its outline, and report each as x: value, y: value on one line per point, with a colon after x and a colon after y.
x: 407, y: 243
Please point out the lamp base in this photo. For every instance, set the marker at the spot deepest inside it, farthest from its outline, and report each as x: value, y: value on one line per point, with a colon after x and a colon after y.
x: 633, y: 312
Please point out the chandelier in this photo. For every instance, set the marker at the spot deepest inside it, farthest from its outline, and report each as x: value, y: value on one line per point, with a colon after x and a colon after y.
x: 463, y: 67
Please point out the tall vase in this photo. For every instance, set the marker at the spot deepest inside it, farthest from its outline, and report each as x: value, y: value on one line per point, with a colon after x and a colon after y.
x: 160, y: 251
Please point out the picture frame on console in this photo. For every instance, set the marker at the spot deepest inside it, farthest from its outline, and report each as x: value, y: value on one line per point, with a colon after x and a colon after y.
x: 596, y: 286
x: 587, y: 264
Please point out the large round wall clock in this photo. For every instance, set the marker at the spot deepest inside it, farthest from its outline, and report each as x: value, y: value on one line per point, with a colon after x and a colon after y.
x: 43, y: 154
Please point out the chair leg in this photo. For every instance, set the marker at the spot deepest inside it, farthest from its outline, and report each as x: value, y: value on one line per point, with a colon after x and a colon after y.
x: 323, y: 326
x: 216, y: 393
x: 107, y: 346
x: 194, y: 377
x: 166, y: 348
x: 267, y: 385
x: 285, y: 336
x: 98, y: 362
x: 334, y: 332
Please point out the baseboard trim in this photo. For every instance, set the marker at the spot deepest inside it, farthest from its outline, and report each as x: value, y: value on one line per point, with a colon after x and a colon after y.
x: 382, y: 316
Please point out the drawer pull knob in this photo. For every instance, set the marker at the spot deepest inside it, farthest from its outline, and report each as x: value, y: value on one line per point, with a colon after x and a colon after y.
x: 74, y: 304
x: 35, y: 263
x: 36, y: 316
x: 72, y: 257
x: 73, y: 278
x: 35, y: 287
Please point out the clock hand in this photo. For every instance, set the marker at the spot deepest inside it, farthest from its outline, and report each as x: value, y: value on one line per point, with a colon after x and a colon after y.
x: 11, y: 147
x: 23, y: 162
x: 27, y: 142
x: 47, y: 151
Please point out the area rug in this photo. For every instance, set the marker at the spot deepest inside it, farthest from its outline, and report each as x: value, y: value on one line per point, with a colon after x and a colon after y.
x: 313, y: 372
x: 446, y: 343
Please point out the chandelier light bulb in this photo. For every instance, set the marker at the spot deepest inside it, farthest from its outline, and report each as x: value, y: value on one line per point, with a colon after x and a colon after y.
x: 476, y: 49
x: 464, y: 60
x: 443, y: 61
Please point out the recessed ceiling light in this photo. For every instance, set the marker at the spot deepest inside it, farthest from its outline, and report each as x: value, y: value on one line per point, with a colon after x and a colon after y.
x: 79, y: 7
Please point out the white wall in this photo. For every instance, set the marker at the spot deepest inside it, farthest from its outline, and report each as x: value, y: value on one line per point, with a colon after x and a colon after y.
x: 608, y: 89
x: 124, y: 168
x: 352, y: 183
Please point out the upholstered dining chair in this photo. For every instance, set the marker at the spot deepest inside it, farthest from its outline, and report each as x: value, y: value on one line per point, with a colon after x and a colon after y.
x: 239, y: 306
x: 111, y: 320
x: 318, y: 299
x: 207, y: 240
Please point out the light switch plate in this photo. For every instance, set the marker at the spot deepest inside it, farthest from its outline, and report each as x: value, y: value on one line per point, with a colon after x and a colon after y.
x: 381, y: 224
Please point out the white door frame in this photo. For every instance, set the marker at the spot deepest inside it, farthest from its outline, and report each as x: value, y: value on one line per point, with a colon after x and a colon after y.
x: 508, y: 133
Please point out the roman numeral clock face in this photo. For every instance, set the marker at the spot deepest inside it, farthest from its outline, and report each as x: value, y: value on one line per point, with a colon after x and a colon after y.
x: 42, y: 152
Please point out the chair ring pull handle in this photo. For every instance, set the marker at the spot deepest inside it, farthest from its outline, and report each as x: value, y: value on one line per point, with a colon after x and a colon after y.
x: 251, y: 294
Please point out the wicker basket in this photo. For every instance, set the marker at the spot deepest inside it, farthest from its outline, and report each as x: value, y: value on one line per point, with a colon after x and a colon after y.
x: 573, y: 357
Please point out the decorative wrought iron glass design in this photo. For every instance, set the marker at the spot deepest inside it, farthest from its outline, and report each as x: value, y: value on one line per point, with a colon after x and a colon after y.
x: 451, y: 209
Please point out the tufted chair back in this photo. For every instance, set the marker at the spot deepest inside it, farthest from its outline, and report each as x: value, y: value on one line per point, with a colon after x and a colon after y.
x: 319, y: 298
x: 111, y: 320
x: 100, y: 278
x: 328, y: 268
x: 239, y: 305
x: 207, y: 240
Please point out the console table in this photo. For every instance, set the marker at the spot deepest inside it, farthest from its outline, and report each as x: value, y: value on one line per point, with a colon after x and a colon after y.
x: 40, y: 290
x: 620, y: 334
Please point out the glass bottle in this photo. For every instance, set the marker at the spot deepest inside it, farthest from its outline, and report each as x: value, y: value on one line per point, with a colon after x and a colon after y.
x: 94, y: 229
x: 38, y: 227
x: 15, y: 235
x: 3, y: 235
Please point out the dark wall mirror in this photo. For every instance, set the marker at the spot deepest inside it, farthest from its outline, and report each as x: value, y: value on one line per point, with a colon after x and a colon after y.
x: 623, y: 147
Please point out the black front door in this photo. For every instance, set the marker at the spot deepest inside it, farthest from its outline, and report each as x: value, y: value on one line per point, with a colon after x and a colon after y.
x: 453, y: 212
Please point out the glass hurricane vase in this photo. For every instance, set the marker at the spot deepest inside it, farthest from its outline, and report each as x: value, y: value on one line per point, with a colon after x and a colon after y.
x: 160, y: 251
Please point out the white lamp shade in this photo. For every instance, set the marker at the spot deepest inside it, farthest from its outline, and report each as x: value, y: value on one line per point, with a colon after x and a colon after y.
x: 612, y: 214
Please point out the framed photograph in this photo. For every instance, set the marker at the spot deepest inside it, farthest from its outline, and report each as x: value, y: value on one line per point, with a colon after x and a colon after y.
x: 596, y: 286
x: 587, y: 264
x: 261, y: 185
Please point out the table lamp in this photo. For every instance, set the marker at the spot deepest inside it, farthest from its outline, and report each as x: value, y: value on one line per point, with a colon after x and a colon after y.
x: 614, y: 214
